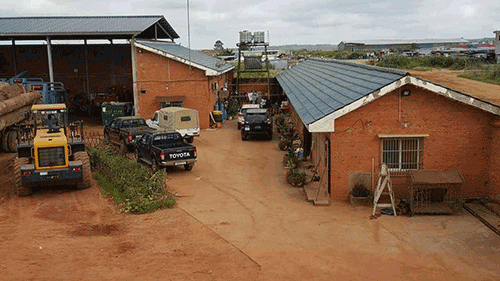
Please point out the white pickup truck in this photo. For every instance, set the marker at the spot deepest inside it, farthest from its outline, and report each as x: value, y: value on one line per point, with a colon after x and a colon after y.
x: 180, y: 119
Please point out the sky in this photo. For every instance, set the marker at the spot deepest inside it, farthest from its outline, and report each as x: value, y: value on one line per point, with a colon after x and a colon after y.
x: 289, y: 22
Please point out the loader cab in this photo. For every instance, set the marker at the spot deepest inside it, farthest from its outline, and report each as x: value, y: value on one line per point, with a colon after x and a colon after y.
x: 50, y: 118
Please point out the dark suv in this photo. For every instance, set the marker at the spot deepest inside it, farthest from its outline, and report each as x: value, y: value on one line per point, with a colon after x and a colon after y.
x: 257, y: 123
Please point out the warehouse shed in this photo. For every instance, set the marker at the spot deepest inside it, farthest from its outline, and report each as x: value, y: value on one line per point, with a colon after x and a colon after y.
x: 70, y: 54
x: 355, y: 117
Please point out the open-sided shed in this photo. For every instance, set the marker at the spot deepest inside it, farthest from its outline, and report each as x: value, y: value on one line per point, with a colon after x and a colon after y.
x: 81, y: 67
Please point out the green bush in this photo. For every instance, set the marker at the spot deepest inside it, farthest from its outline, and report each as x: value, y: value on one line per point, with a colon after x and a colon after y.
x: 282, y: 145
x: 489, y: 74
x: 295, y: 177
x: 133, y: 186
x: 279, y: 122
x: 400, y: 62
x: 288, y: 135
x: 291, y: 160
x: 233, y: 107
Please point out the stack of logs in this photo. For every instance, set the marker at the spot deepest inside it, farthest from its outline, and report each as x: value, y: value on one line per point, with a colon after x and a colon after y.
x: 15, y: 104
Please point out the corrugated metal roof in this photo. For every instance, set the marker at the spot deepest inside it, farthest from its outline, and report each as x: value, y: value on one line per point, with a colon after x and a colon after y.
x: 317, y: 88
x: 26, y: 27
x: 183, y: 54
x: 408, y: 41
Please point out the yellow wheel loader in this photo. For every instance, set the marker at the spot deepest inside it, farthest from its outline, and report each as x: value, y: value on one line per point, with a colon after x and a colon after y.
x: 51, y: 152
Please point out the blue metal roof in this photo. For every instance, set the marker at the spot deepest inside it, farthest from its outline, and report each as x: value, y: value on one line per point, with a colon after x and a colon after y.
x: 317, y: 88
x: 183, y: 53
x: 68, y: 27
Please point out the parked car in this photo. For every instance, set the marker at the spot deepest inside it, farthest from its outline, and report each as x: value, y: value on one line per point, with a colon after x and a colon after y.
x: 79, y: 103
x: 257, y: 123
x: 123, y: 130
x: 162, y: 149
x: 180, y: 119
x: 242, y: 111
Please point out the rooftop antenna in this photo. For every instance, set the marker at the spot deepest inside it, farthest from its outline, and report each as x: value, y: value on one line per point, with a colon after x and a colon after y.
x: 189, y: 37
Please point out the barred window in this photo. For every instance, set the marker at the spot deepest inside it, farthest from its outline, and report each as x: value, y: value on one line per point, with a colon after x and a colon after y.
x: 402, y: 154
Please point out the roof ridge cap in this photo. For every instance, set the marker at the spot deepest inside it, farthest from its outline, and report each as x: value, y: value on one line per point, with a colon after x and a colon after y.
x: 369, y: 67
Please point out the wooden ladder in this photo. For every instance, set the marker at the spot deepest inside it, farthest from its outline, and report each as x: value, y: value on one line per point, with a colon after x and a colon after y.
x: 384, y: 180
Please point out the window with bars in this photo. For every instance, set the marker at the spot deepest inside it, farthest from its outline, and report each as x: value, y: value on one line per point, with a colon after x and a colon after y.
x: 402, y: 154
x: 171, y: 104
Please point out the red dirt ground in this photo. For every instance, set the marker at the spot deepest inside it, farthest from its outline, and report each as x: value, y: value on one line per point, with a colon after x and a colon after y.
x: 64, y: 234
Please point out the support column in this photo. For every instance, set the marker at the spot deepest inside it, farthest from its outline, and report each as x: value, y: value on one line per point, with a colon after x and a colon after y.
x: 15, y: 56
x: 134, y: 78
x: 87, y: 80
x: 49, y: 58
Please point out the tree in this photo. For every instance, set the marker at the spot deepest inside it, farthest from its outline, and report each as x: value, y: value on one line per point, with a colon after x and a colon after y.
x: 226, y: 52
x: 218, y: 45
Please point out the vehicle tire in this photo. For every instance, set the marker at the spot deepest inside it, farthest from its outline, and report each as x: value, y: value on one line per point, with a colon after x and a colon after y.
x: 239, y: 126
x: 190, y: 140
x: 20, y: 189
x: 123, y: 147
x: 84, y: 157
x: 243, y: 137
x: 107, y: 139
x: 5, y: 141
x: 188, y: 167
x: 12, y: 141
x: 137, y: 158
x: 154, y: 166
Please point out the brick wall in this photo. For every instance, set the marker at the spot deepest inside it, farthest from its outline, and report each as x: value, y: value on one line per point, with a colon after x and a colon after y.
x: 494, y: 165
x: 459, y: 138
x: 161, y: 76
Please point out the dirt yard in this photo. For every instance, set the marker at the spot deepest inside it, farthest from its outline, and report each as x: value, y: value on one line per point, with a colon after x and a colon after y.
x: 236, y: 219
x: 64, y: 234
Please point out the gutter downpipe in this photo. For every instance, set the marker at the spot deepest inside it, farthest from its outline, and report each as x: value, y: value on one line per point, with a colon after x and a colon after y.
x: 49, y: 57
x: 134, y: 77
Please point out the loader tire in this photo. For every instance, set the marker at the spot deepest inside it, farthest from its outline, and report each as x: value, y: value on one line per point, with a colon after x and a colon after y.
x: 20, y: 189
x: 11, y: 137
x: 84, y: 157
x: 5, y: 141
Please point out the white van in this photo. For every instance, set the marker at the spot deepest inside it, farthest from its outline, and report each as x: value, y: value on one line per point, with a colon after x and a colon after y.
x: 180, y: 119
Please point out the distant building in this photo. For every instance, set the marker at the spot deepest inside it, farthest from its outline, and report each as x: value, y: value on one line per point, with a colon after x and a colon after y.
x: 497, y: 45
x: 401, y: 44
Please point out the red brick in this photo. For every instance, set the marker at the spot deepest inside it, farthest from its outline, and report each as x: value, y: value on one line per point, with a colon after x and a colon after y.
x: 155, y: 73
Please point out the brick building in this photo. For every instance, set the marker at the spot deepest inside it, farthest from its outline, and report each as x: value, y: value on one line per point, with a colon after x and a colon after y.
x: 356, y: 117
x: 168, y: 74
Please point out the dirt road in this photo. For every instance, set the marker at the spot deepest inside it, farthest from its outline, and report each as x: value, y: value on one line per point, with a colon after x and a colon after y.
x: 237, y: 188
x: 65, y: 234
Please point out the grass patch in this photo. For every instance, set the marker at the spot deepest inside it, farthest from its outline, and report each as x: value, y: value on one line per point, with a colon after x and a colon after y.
x: 131, y: 185
x: 490, y: 74
x: 441, y: 62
